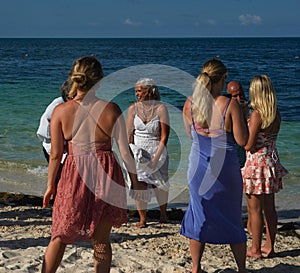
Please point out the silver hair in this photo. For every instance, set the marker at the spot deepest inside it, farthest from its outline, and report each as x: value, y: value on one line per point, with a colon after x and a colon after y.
x: 149, y: 84
x: 146, y: 82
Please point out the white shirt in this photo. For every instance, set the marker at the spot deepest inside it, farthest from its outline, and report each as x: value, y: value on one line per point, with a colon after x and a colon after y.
x: 43, y: 132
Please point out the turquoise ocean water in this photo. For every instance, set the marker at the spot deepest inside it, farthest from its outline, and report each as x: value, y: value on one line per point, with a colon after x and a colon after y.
x: 32, y: 71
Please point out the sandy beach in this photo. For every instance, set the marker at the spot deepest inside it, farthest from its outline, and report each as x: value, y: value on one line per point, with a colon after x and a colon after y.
x: 26, y: 227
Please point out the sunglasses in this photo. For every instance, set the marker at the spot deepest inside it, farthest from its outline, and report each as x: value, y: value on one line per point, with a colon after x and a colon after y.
x: 236, y: 95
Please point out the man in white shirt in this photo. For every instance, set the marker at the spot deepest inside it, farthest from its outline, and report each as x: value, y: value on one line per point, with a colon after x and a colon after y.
x: 43, y: 132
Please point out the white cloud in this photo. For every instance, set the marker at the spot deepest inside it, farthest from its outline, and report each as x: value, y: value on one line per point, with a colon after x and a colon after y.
x: 157, y: 22
x: 211, y: 22
x: 129, y: 22
x: 248, y: 19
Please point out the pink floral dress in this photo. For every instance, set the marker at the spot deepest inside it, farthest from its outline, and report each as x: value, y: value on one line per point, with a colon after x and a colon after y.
x: 263, y: 172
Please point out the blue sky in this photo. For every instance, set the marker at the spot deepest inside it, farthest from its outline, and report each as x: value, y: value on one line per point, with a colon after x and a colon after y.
x: 145, y: 18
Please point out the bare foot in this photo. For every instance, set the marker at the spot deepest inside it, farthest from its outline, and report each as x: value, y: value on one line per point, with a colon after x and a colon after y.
x: 141, y: 224
x: 163, y: 219
x: 267, y: 253
x: 254, y: 254
x: 198, y: 271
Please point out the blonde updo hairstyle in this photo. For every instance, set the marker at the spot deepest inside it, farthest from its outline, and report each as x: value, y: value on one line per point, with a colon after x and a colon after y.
x: 85, y: 73
x: 211, y: 73
x: 263, y: 99
x: 151, y: 87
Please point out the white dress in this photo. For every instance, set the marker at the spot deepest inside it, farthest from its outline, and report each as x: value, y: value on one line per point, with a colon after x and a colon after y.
x: 146, y: 141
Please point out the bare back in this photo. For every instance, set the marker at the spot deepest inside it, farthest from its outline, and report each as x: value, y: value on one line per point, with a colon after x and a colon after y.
x: 233, y: 120
x: 78, y: 120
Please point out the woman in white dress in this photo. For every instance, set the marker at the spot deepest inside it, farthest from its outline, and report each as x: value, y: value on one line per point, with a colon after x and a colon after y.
x: 148, y: 131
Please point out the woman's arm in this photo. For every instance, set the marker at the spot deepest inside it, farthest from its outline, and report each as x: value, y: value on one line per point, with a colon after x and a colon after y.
x: 254, y: 125
x: 239, y: 126
x: 186, y: 115
x: 130, y: 123
x: 120, y: 136
x: 164, y: 132
x: 57, y: 149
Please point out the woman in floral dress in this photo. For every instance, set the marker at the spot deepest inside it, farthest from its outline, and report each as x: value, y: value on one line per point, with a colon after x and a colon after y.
x: 262, y: 173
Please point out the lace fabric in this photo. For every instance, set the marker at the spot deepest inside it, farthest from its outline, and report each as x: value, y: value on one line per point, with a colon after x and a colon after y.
x: 91, y: 189
x: 146, y: 141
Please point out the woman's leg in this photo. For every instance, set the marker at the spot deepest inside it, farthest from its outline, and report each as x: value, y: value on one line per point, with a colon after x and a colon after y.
x: 142, y: 209
x: 255, y: 213
x: 102, y: 247
x: 53, y: 256
x: 197, y: 249
x: 162, y: 200
x: 239, y: 253
x: 270, y: 223
x: 248, y: 222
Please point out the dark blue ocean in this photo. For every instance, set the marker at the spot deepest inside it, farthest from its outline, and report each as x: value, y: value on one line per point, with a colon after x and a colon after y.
x: 32, y: 71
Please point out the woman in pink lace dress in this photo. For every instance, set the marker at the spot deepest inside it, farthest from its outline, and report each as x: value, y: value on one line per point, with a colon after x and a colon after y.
x: 262, y: 173
x: 91, y: 195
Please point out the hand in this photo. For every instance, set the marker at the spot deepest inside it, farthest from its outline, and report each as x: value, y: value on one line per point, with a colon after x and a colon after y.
x: 139, y: 192
x: 152, y: 164
x: 47, y: 196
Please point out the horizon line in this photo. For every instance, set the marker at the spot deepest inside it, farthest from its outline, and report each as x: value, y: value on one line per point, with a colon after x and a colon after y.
x: 141, y: 37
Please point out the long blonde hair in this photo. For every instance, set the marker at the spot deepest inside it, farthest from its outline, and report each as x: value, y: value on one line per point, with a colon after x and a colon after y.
x: 85, y: 73
x: 211, y: 73
x: 263, y: 99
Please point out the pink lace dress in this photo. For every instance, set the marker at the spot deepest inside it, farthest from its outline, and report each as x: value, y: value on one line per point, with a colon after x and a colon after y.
x: 91, y: 188
x: 263, y: 172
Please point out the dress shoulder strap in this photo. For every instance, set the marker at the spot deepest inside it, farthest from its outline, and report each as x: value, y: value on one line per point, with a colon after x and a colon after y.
x: 224, y: 113
x: 207, y: 130
x: 135, y: 108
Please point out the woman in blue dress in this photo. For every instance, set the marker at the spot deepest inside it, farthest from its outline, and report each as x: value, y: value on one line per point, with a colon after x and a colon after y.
x: 215, y: 123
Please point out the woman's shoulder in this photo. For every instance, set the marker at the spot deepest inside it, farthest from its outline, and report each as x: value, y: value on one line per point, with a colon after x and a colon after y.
x: 226, y: 104
x: 110, y: 106
x: 188, y: 102
x: 160, y: 106
x: 132, y: 108
x: 189, y: 99
x: 255, y: 114
x: 64, y: 106
x: 133, y: 105
x: 226, y: 100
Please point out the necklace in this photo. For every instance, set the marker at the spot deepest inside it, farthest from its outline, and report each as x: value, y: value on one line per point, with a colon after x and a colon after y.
x: 144, y: 112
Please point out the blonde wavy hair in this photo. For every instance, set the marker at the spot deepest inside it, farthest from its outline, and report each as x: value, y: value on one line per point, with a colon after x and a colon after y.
x: 263, y: 99
x: 212, y: 72
x: 85, y: 73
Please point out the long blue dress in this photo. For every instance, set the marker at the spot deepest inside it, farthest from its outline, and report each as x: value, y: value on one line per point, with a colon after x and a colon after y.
x: 214, y: 213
